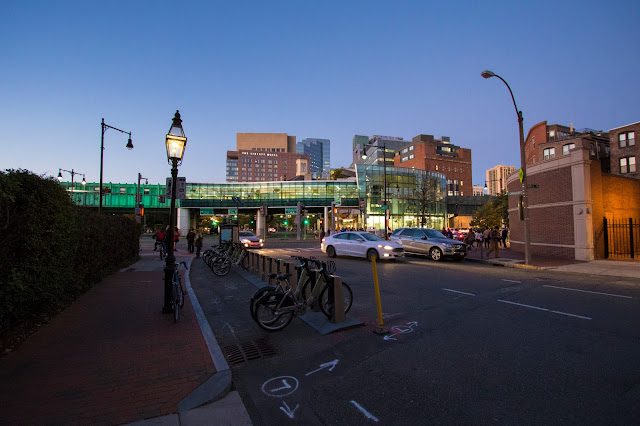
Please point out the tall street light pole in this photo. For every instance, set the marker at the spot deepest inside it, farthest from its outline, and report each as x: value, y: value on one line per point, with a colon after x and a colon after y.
x: 129, y: 146
x: 176, y: 142
x: 523, y: 170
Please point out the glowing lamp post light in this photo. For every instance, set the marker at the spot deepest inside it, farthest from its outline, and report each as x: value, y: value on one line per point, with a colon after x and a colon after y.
x: 73, y: 173
x: 176, y: 142
x: 523, y: 169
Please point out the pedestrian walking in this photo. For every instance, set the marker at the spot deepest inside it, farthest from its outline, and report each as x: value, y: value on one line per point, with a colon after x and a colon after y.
x: 198, y: 243
x: 503, y: 236
x: 478, y: 238
x: 494, y: 235
x: 485, y: 237
x: 191, y: 236
x: 321, y: 234
x: 470, y: 239
x: 176, y: 238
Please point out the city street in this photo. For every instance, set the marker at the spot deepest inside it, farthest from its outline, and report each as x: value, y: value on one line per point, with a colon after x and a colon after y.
x: 467, y: 343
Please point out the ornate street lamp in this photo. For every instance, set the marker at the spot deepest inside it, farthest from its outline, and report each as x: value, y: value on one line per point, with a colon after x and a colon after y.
x: 176, y: 142
x: 129, y: 146
x: 73, y: 173
x: 523, y: 170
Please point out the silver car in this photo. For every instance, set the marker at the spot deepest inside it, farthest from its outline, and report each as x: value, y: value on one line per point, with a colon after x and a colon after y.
x: 430, y: 242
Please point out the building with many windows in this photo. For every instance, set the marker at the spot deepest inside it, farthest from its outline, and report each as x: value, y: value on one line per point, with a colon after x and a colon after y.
x: 624, y: 151
x: 439, y: 155
x: 264, y: 157
x: 496, y: 179
x: 550, y: 141
x: 319, y: 156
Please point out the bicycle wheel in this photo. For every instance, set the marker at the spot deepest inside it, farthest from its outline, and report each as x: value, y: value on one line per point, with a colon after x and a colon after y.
x: 256, y: 296
x: 180, y: 294
x: 245, y: 261
x: 265, y: 311
x: 174, y: 301
x: 221, y: 267
x: 307, y: 288
x: 347, y: 297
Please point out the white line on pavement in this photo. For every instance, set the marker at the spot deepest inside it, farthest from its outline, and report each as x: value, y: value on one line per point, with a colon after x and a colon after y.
x: 456, y: 291
x: 587, y: 291
x: 511, y: 281
x: 544, y: 309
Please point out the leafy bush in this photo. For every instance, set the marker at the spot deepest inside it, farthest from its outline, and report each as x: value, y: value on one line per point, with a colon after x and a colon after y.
x: 52, y: 250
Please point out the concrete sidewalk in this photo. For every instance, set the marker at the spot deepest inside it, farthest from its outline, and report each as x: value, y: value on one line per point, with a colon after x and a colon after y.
x: 513, y: 259
x: 112, y: 357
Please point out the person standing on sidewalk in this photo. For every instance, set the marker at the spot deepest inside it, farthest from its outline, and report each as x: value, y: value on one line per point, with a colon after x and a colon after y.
x: 485, y: 237
x: 198, y: 244
x: 176, y: 238
x: 494, y: 235
x: 470, y: 239
x: 191, y: 236
x: 503, y: 236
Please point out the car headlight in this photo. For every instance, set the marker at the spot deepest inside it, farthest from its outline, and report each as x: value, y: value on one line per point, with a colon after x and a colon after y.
x: 447, y: 245
x: 246, y: 241
x: 260, y: 240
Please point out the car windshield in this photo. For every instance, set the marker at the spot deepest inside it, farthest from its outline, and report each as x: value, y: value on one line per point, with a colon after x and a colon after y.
x: 432, y: 233
x: 246, y: 234
x: 370, y: 237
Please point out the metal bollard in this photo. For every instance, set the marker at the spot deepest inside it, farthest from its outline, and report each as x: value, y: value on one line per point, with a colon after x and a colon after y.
x: 336, y: 299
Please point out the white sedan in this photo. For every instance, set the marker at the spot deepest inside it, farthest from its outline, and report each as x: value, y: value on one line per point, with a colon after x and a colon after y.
x: 361, y: 244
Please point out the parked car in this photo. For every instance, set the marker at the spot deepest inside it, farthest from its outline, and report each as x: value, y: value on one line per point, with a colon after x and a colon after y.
x: 250, y: 240
x: 429, y: 242
x: 360, y: 244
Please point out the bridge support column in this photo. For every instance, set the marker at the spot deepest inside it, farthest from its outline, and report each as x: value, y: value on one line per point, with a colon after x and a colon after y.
x: 183, y: 221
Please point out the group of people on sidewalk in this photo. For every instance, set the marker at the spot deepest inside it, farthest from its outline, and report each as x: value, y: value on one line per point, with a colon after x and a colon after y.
x: 194, y: 240
x: 493, y: 239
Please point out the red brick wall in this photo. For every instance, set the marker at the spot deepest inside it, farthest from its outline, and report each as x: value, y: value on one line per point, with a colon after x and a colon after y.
x: 620, y: 197
x: 537, y: 135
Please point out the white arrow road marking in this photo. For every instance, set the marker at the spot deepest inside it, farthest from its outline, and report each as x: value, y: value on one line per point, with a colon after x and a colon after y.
x: 401, y: 329
x: 331, y: 364
x: 365, y: 412
x: 288, y: 411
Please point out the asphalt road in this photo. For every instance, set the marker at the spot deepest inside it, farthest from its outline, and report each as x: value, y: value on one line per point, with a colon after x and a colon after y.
x: 468, y: 343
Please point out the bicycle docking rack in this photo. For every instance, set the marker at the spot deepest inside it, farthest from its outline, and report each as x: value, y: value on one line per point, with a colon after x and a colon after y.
x: 257, y: 273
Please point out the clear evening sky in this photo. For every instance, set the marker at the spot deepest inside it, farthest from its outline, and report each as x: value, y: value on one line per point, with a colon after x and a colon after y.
x: 327, y: 69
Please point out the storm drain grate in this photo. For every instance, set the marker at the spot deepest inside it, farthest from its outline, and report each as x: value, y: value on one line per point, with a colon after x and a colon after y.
x: 248, y: 350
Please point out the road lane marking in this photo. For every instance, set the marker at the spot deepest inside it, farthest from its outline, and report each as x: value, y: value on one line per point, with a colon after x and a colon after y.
x: 456, y: 291
x: 545, y: 309
x: 511, y: 281
x: 365, y: 412
x: 587, y: 291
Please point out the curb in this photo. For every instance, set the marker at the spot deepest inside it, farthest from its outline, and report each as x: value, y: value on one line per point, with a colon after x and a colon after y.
x: 219, y: 384
x: 497, y: 262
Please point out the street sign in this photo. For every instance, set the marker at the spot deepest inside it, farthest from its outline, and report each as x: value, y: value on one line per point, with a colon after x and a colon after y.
x: 533, y: 186
x: 515, y: 193
x: 233, y: 211
x: 206, y: 212
x: 181, y: 189
x: 384, y: 207
x: 293, y: 210
x: 339, y: 202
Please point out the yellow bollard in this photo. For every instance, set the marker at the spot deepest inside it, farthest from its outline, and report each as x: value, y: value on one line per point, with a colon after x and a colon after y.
x: 379, y: 330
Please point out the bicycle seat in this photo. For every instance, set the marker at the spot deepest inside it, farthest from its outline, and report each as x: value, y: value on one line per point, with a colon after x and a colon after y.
x: 280, y: 277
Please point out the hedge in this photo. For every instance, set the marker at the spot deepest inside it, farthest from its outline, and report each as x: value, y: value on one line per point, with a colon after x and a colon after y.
x: 51, y: 250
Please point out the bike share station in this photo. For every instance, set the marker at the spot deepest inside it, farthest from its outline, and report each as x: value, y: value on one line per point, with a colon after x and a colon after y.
x: 261, y: 267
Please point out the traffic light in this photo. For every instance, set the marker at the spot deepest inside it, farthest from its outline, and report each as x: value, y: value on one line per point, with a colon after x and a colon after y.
x: 306, y: 221
x: 285, y: 223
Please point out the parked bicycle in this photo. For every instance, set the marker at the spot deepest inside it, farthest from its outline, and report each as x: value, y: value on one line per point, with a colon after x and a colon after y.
x: 177, y: 290
x: 275, y: 308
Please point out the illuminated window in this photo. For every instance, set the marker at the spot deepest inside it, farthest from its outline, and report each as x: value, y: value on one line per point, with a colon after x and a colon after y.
x: 628, y: 165
x: 627, y: 139
x: 549, y: 153
x: 568, y: 147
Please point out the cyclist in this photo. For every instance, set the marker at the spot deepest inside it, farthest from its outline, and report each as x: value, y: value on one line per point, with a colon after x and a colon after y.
x: 160, y: 242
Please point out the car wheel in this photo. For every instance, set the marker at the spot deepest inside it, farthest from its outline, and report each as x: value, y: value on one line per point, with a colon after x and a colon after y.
x: 373, y: 254
x: 331, y: 252
x: 435, y: 253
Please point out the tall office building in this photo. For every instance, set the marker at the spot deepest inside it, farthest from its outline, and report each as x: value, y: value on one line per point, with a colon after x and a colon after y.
x: 263, y: 157
x: 319, y: 155
x: 497, y: 179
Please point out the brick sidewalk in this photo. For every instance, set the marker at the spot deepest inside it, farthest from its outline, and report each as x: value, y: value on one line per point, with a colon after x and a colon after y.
x: 110, y: 358
x: 508, y: 254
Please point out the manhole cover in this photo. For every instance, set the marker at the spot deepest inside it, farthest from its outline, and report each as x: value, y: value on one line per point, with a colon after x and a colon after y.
x: 248, y: 350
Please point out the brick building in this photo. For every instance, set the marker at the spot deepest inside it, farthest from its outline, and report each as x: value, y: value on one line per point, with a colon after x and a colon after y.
x: 439, y: 155
x: 569, y: 205
x: 264, y: 157
x: 624, y: 151
x: 550, y: 141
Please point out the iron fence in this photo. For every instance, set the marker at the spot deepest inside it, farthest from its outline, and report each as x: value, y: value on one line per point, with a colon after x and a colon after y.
x: 621, y: 238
